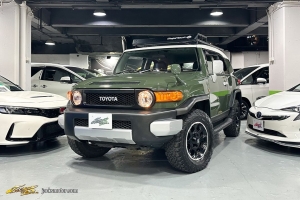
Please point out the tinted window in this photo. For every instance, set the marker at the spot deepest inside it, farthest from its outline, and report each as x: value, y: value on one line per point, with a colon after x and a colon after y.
x: 9, y: 85
x: 82, y: 72
x: 54, y: 74
x: 35, y: 70
x: 264, y: 73
x: 295, y: 89
x: 240, y: 74
x: 158, y: 60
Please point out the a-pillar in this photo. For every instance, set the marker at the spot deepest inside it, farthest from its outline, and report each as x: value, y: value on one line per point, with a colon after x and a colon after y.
x: 15, y: 43
x: 284, y: 45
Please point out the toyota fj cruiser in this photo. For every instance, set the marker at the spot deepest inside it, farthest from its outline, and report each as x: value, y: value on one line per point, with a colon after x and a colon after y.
x: 172, y: 97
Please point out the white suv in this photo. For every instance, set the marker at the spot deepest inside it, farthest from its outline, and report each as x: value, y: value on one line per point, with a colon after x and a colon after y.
x: 55, y: 78
x: 254, y: 83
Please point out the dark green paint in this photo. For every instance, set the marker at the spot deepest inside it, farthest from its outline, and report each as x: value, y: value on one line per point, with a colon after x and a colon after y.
x: 196, y: 83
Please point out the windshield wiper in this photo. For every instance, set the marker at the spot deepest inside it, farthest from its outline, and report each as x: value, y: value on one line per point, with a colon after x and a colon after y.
x: 126, y: 71
x: 147, y: 70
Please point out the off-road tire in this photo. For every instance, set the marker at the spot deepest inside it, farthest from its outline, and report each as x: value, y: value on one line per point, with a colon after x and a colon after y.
x: 244, y: 108
x: 176, y: 150
x: 234, y: 129
x: 87, y: 150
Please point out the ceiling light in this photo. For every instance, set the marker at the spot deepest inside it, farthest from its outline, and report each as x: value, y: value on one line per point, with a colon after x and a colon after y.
x: 99, y: 13
x: 50, y: 42
x: 216, y: 12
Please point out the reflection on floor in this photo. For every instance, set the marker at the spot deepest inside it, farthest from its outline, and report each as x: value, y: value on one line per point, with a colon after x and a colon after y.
x: 241, y: 168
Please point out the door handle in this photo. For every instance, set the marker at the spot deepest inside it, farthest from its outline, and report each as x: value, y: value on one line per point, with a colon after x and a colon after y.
x: 34, y: 86
x: 43, y: 86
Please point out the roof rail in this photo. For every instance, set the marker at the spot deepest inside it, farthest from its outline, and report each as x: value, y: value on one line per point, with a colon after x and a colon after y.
x: 176, y: 40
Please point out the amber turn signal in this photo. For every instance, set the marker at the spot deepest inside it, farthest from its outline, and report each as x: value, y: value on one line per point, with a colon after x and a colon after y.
x: 69, y: 95
x: 170, y: 96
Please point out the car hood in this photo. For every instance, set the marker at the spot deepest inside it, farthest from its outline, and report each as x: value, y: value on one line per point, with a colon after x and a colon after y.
x: 280, y: 100
x: 151, y: 80
x: 32, y: 99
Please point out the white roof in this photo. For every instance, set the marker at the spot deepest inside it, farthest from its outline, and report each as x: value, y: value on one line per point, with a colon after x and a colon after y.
x: 51, y: 65
x: 259, y: 65
x: 182, y: 46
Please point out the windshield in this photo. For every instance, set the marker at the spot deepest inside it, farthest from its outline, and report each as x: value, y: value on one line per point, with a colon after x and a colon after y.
x: 158, y: 60
x: 7, y: 85
x: 82, y: 72
x: 295, y: 89
x: 240, y: 74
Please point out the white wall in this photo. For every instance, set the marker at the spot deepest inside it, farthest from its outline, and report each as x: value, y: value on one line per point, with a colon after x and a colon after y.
x: 248, y: 58
x: 284, y: 38
x: 9, y: 42
x: 77, y: 60
x: 13, y: 38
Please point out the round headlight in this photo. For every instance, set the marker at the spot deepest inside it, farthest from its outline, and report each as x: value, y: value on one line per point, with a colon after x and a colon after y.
x: 77, y: 98
x: 145, y: 99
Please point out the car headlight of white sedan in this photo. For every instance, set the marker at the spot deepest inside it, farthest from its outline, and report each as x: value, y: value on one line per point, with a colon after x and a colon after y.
x: 18, y: 110
x: 25, y: 111
x: 292, y: 109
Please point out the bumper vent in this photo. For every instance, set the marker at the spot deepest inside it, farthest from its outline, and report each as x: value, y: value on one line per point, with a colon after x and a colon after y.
x: 116, y: 124
x: 267, y: 131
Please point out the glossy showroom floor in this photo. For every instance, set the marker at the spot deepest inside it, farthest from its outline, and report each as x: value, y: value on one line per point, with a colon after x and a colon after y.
x: 241, y: 168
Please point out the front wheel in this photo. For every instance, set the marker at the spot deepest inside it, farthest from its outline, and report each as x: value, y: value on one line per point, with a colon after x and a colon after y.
x: 244, y: 109
x: 234, y: 129
x: 87, y: 150
x: 191, y: 149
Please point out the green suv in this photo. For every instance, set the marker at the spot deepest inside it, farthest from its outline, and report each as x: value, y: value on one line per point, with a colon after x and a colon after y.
x: 170, y: 97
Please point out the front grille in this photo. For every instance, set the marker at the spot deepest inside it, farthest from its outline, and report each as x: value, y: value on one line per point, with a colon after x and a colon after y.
x: 49, y: 130
x: 123, y: 99
x: 50, y: 113
x: 267, y: 131
x: 81, y: 122
x: 264, y: 117
x: 118, y: 124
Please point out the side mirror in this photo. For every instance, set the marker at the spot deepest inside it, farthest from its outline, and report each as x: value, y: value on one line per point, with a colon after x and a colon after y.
x: 175, y: 69
x: 218, y: 67
x: 261, y: 80
x: 65, y: 79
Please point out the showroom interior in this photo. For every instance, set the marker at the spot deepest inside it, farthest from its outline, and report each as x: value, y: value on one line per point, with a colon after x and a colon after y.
x: 160, y: 99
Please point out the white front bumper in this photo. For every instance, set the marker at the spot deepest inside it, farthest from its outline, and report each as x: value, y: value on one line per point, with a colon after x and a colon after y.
x: 288, y: 130
x: 24, y: 127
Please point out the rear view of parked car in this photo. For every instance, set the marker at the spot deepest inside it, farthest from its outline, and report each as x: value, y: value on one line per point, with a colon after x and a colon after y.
x: 56, y: 79
x: 254, y: 83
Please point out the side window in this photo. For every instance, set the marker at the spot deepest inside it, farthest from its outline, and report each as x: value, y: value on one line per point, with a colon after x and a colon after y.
x: 54, y: 74
x: 35, y: 70
x: 74, y: 78
x: 248, y: 81
x: 264, y: 73
x: 214, y: 57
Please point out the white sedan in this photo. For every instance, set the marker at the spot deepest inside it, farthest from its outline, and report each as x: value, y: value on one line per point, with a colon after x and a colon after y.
x: 276, y: 118
x: 27, y: 116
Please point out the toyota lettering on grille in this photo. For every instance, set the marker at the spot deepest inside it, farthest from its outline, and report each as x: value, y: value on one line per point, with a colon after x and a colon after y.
x: 108, y: 98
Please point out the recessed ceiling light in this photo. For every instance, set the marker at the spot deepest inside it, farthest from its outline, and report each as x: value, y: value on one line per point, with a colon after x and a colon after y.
x: 99, y: 13
x: 50, y: 42
x: 216, y: 12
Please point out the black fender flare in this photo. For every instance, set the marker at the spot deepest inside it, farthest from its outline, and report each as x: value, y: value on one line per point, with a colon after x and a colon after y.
x: 186, y: 106
x: 235, y: 95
